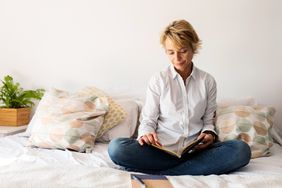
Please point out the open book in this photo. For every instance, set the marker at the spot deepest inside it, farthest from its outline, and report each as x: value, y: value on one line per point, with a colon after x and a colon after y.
x: 178, y: 154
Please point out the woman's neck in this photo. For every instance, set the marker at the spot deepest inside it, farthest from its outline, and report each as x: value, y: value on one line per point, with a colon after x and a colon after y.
x: 185, y: 71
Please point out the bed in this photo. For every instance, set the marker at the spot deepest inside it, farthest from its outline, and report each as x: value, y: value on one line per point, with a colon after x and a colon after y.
x: 34, y: 167
x: 24, y: 165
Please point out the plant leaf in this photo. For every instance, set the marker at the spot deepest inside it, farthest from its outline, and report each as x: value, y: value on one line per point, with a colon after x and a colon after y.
x: 13, y: 96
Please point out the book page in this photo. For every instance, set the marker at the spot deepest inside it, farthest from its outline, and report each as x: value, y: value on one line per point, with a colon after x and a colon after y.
x: 191, y: 145
x: 184, y: 150
x: 167, y: 150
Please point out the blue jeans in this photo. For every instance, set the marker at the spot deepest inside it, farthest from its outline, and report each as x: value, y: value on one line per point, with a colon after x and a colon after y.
x: 219, y: 158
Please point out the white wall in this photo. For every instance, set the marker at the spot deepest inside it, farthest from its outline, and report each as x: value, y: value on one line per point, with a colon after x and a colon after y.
x: 114, y: 44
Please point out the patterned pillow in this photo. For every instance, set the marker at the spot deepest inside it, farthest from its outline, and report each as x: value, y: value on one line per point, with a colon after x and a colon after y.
x: 248, y: 123
x: 68, y: 121
x: 115, y: 115
x: 127, y: 127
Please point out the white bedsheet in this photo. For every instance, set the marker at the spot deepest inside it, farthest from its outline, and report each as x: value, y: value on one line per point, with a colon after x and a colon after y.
x: 20, y: 175
x: 22, y: 166
x: 14, y: 149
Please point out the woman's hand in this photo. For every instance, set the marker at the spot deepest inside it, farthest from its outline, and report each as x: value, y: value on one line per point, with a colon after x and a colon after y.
x: 208, y: 140
x: 150, y: 138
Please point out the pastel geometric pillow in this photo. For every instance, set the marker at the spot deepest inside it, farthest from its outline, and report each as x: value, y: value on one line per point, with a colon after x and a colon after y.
x: 68, y: 121
x: 247, y: 123
x: 114, y: 116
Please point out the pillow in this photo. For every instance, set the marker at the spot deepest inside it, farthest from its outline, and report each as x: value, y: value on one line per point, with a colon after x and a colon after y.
x: 276, y: 134
x: 246, y: 101
x: 247, y: 123
x: 127, y: 127
x: 115, y: 115
x: 67, y: 121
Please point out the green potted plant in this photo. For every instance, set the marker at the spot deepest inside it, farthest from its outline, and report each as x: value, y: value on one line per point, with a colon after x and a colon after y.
x: 16, y: 103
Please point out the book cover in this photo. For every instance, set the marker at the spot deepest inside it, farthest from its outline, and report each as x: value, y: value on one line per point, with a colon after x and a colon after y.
x: 187, y: 148
x: 150, y: 181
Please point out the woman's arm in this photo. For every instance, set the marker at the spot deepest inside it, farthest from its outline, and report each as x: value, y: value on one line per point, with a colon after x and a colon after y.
x: 208, y: 117
x: 208, y: 132
x: 150, y: 113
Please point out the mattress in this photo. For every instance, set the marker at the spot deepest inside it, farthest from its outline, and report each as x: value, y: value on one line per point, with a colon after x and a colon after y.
x: 33, y: 167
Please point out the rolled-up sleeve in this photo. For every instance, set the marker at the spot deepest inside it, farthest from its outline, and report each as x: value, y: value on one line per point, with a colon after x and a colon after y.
x: 209, y: 115
x: 150, y: 111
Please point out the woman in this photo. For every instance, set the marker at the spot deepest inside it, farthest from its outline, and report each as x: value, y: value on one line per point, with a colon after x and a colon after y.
x: 180, y: 107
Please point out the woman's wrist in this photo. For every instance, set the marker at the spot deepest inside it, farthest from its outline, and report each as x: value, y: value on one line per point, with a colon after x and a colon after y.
x: 211, y: 133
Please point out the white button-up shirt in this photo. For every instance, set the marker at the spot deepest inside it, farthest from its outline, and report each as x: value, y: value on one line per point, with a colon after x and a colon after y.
x: 176, y: 110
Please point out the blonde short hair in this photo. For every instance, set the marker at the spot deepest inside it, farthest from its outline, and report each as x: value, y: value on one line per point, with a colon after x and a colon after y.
x: 182, y: 34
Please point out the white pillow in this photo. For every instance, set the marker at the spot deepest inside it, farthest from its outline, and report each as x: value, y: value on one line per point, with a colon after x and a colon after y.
x: 127, y: 127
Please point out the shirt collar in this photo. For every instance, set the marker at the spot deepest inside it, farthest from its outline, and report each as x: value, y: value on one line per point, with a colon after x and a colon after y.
x: 193, y: 73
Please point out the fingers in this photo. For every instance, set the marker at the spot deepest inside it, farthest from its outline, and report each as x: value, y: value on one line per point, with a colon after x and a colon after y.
x: 202, y: 135
x: 155, y: 136
x: 202, y: 146
x: 143, y: 139
x: 149, y: 139
x: 140, y: 141
x: 207, y: 140
x: 156, y: 139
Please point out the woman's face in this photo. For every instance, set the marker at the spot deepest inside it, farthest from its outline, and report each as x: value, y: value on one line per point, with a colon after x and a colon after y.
x: 180, y: 58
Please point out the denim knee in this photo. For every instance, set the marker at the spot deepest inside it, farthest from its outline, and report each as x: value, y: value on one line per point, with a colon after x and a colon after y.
x: 114, y: 148
x: 242, y: 152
